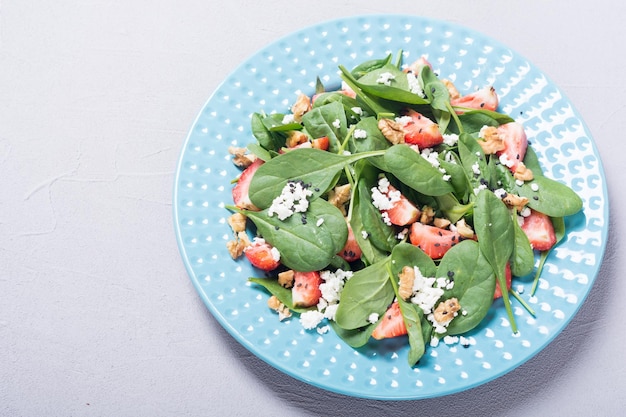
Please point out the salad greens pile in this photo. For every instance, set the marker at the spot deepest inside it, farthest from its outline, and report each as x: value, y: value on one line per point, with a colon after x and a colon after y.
x: 453, y: 187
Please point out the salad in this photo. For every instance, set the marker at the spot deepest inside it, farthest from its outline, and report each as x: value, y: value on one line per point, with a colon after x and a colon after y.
x: 393, y: 206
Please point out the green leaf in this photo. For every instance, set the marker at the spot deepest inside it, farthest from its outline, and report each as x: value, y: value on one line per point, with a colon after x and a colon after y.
x: 523, y: 259
x: 354, y: 337
x: 282, y: 293
x: 304, y: 245
x: 320, y: 121
x: 415, y: 171
x: 474, y: 284
x: 367, y: 291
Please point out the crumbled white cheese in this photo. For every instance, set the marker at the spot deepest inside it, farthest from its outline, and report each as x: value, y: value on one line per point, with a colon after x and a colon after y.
x: 323, y: 329
x: 519, y: 183
x: 500, y: 193
x: 403, y: 233
x: 359, y: 134
x: 534, y: 186
x: 414, y: 84
x: 288, y: 118
x: 320, y: 221
x: 357, y: 110
x: 373, y: 318
x: 385, y: 78
x: 292, y: 199
x: 525, y: 211
x: 337, y: 124
x: 425, y: 293
x: 364, y: 234
x: 311, y: 318
x: 275, y: 254
x: 382, y: 197
x: 506, y: 161
x: 450, y: 139
x: 476, y: 168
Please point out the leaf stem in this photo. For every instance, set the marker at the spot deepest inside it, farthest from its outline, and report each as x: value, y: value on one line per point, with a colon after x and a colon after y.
x: 542, y: 261
x: 524, y: 304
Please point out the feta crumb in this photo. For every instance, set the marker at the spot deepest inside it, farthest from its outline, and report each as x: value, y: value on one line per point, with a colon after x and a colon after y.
x: 275, y: 254
x: 520, y: 289
x: 500, y: 193
x: 534, y: 186
x: 373, y: 318
x: 403, y: 233
x: 525, y: 211
x: 310, y: 319
x: 450, y: 340
x: 288, y: 118
x: 293, y: 199
x: 364, y: 234
x: 450, y: 139
x: 519, y: 183
x: 320, y: 221
x: 414, y: 84
x: 385, y: 78
x: 357, y: 110
x: 323, y: 329
x: 476, y: 168
x: 434, y: 341
x: 337, y: 124
x: 506, y: 161
x: 359, y: 134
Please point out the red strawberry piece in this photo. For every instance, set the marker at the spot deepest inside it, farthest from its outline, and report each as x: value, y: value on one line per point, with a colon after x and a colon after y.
x: 241, y: 197
x: 420, y: 130
x: 403, y: 212
x: 391, y: 325
x: 508, y: 276
x: 540, y: 231
x: 515, y: 142
x: 416, y: 67
x: 351, y: 251
x: 306, y: 289
x: 261, y: 255
x: 321, y: 143
x: 434, y: 241
x: 485, y: 98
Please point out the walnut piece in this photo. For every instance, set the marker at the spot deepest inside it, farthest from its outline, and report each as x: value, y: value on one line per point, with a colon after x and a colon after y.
x: 240, y: 156
x: 339, y: 196
x: 391, y: 130
x: 285, y: 279
x: 515, y: 201
x: 237, y: 222
x: 283, y: 311
x: 454, y: 93
x: 237, y: 246
x: 428, y: 215
x: 296, y: 138
x: 300, y: 107
x: 441, y: 223
x: 492, y: 142
x: 407, y: 278
x: 446, y: 310
x: 464, y: 229
x: 523, y: 173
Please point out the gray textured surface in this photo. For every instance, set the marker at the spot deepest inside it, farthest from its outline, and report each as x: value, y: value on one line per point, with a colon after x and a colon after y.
x: 97, y: 315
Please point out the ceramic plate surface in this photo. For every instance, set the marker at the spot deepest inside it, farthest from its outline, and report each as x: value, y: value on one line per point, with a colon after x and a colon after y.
x: 270, y: 81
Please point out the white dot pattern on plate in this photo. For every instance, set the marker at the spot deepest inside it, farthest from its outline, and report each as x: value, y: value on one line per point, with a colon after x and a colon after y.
x: 270, y: 81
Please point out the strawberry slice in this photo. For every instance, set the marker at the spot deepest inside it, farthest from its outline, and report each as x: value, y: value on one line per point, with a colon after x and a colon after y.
x: 351, y: 251
x: 306, y: 289
x: 420, y: 130
x: 485, y: 98
x: 515, y: 142
x: 509, y: 276
x: 321, y: 143
x: 403, y: 212
x: 262, y: 255
x: 540, y: 231
x: 241, y: 197
x: 434, y: 241
x: 391, y: 325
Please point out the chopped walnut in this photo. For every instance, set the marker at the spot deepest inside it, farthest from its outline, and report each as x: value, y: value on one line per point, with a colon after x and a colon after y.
x: 391, y: 130
x: 296, y: 138
x: 492, y: 142
x: 446, y: 310
x: 237, y: 246
x: 237, y: 222
x: 441, y: 223
x: 407, y: 278
x: 428, y: 215
x: 523, y: 173
x: 515, y: 201
x: 283, y: 311
x: 339, y: 196
x: 285, y: 279
x: 240, y: 156
x: 454, y: 93
x: 464, y: 229
x: 300, y: 107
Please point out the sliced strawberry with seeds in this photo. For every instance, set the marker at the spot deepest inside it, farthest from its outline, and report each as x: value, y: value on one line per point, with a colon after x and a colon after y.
x: 540, y: 230
x: 420, y: 130
x: 306, y: 289
x: 351, y: 251
x: 508, y: 276
x: 391, y: 325
x: 483, y: 99
x: 263, y: 256
x: 240, y: 191
x: 515, y: 142
x: 321, y: 143
x: 403, y: 211
x: 434, y: 241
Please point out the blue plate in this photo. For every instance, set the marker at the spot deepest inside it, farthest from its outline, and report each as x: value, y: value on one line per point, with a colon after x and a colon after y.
x: 270, y: 81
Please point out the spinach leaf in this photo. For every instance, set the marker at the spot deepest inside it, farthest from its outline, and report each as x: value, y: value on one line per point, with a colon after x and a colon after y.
x: 435, y: 90
x: 368, y: 291
x: 354, y: 337
x: 474, y: 161
x: 474, y: 284
x: 474, y: 120
x: 282, y: 293
x: 551, y: 198
x: 398, y: 89
x: 328, y: 120
x: 407, y: 254
x: 303, y: 244
x: 272, y: 141
x: 523, y: 259
x: 416, y: 172
x: 494, y: 228
x: 368, y: 66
